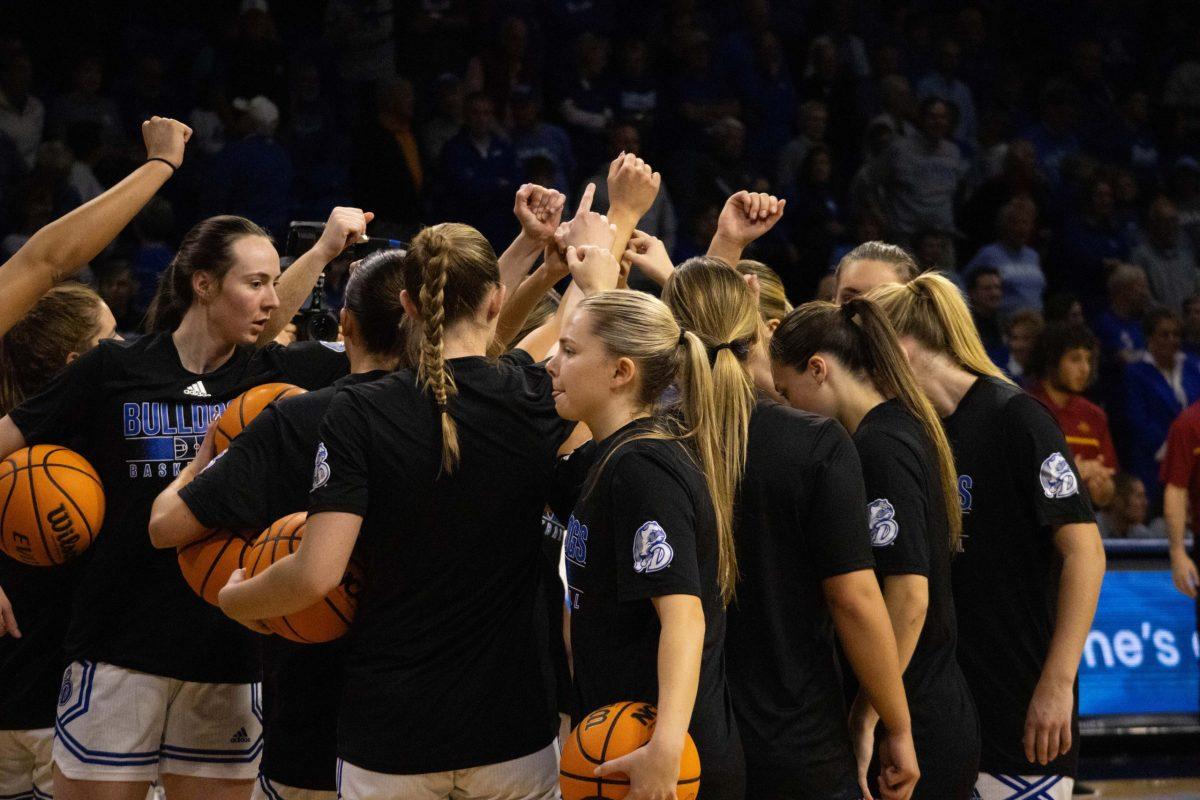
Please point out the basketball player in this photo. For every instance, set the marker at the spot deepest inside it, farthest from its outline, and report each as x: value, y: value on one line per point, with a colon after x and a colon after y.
x: 869, y: 265
x: 301, y: 683
x: 1028, y: 577
x: 69, y: 243
x: 650, y: 557
x: 803, y: 556
x: 67, y: 321
x: 845, y: 363
x: 438, y: 477
x: 144, y: 648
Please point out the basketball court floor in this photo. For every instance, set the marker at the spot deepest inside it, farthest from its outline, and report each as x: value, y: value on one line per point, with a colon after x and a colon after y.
x: 1143, y: 789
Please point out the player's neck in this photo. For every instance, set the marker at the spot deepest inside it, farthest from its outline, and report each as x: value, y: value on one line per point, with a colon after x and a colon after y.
x: 200, y: 350
x: 856, y: 402
x: 943, y: 382
x: 466, y: 338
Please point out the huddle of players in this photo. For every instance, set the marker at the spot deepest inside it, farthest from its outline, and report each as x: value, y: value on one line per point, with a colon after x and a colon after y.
x: 715, y: 538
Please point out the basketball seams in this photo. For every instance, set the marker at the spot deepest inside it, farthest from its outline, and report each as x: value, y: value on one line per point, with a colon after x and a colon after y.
x: 90, y: 476
x: 4, y: 511
x: 212, y: 566
x: 612, y: 726
x: 37, y: 516
x: 70, y: 499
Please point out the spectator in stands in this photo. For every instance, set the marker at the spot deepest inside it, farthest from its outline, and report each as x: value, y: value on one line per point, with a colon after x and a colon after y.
x: 34, y: 209
x: 818, y: 220
x: 1167, y: 256
x: 388, y: 172
x: 943, y: 81
x: 1063, y: 365
x: 1088, y: 243
x: 361, y: 34
x: 586, y: 106
x: 1125, y: 517
x: 1063, y: 307
x: 933, y: 249
x: 1019, y: 264
x: 1185, y: 191
x: 768, y: 97
x: 117, y: 287
x: 1157, y: 389
x: 85, y: 103
x: 153, y: 228
x: 985, y: 295
x: 1119, y: 327
x: 1097, y: 101
x: 253, y: 174
x: 1054, y: 137
x: 254, y: 59
x: 83, y: 140
x: 725, y: 166
x: 22, y: 116
x: 1181, y: 478
x: 898, y: 104
x: 921, y: 175
x: 507, y: 63
x: 660, y: 220
x: 1020, y: 176
x: 1131, y: 141
x: 480, y: 174
x: 532, y: 136
x: 1020, y: 332
x: 826, y: 79
x: 812, y: 123
x: 447, y: 119
x: 1191, y: 325
x: 149, y: 93
x: 636, y: 90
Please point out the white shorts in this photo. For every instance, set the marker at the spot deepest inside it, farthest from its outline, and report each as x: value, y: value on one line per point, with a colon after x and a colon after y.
x: 267, y: 789
x: 25, y: 765
x: 990, y: 786
x: 531, y: 777
x: 117, y: 724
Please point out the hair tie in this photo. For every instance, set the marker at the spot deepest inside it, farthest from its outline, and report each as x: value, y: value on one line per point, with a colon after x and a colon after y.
x: 739, y: 347
x: 682, y: 337
x: 722, y: 346
x: 848, y: 310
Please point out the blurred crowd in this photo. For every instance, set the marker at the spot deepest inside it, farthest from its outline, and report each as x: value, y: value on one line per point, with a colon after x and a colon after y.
x: 1043, y: 154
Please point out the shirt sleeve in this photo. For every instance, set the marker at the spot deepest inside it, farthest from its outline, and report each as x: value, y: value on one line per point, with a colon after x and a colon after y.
x: 1180, y: 462
x: 836, y: 519
x: 340, y: 478
x: 1042, y: 465
x: 56, y: 412
x: 654, y: 529
x: 897, y: 506
x: 233, y: 491
x: 309, y: 365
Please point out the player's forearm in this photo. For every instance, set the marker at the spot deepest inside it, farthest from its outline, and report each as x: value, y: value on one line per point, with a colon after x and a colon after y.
x: 1078, y: 593
x: 863, y: 627
x: 285, y: 587
x: 726, y: 249
x: 515, y: 261
x: 172, y: 523
x: 625, y: 220
x: 907, y: 600
x: 680, y: 646
x: 294, y: 287
x: 1175, y: 502
x: 520, y: 305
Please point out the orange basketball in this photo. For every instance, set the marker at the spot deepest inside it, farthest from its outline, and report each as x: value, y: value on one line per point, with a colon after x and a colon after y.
x: 246, y: 406
x: 207, y: 563
x: 323, y: 621
x: 51, y: 505
x: 611, y: 732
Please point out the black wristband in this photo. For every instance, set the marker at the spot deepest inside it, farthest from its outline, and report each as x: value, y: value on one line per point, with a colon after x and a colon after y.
x: 174, y: 168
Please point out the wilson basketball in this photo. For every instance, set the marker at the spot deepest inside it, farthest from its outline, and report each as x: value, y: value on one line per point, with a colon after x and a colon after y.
x: 323, y: 621
x: 207, y: 563
x: 51, y: 505
x: 611, y: 732
x: 246, y: 406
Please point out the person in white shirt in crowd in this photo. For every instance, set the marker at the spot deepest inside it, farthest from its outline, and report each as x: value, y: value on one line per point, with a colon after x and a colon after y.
x: 1167, y: 256
x: 1019, y: 265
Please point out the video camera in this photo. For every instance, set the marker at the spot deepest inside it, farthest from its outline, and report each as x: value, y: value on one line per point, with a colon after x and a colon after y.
x: 314, y: 321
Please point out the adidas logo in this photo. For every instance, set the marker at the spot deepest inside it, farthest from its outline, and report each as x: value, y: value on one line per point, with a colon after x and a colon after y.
x: 197, y: 390
x: 241, y: 737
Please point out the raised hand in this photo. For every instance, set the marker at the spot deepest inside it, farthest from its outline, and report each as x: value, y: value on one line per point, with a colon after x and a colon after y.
x: 165, y: 138
x: 632, y: 186
x: 747, y: 216
x: 539, y: 210
x: 649, y: 254
x: 586, y: 227
x: 345, y: 227
x: 593, y: 268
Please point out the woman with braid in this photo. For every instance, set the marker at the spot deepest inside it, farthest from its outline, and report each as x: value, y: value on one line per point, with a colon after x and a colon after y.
x: 436, y: 478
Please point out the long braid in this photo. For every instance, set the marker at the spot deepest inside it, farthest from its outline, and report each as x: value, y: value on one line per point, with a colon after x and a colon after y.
x: 432, y: 369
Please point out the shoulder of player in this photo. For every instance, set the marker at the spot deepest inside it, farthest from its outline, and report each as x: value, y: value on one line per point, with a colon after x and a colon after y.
x: 652, y: 459
x: 795, y: 432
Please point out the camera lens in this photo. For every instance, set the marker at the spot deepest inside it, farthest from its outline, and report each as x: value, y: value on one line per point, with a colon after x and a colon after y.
x: 323, y: 327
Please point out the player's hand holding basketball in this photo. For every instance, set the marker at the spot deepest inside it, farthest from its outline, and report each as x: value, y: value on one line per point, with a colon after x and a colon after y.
x: 653, y: 771
x: 8, y: 622
x: 165, y: 138
x: 539, y: 210
x: 747, y: 216
x: 1048, y: 721
x: 345, y: 226
x: 898, y: 761
x: 238, y: 577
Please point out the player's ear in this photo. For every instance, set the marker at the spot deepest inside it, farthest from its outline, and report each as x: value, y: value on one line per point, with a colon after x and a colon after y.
x: 410, y: 308
x: 623, y: 373
x: 818, y: 367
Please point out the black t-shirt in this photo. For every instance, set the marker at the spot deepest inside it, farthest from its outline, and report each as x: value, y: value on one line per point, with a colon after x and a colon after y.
x: 800, y: 519
x: 910, y: 536
x: 645, y: 529
x: 266, y: 474
x: 138, y: 416
x: 1017, y: 482
x: 447, y: 665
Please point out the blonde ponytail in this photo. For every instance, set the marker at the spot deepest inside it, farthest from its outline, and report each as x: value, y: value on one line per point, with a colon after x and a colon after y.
x: 637, y: 326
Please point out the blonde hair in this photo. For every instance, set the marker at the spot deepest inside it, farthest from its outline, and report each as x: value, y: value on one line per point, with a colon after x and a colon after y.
x: 859, y: 336
x: 898, y: 257
x: 713, y: 302
x: 639, y: 327
x: 773, y: 303
x: 931, y: 309
x: 448, y: 271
